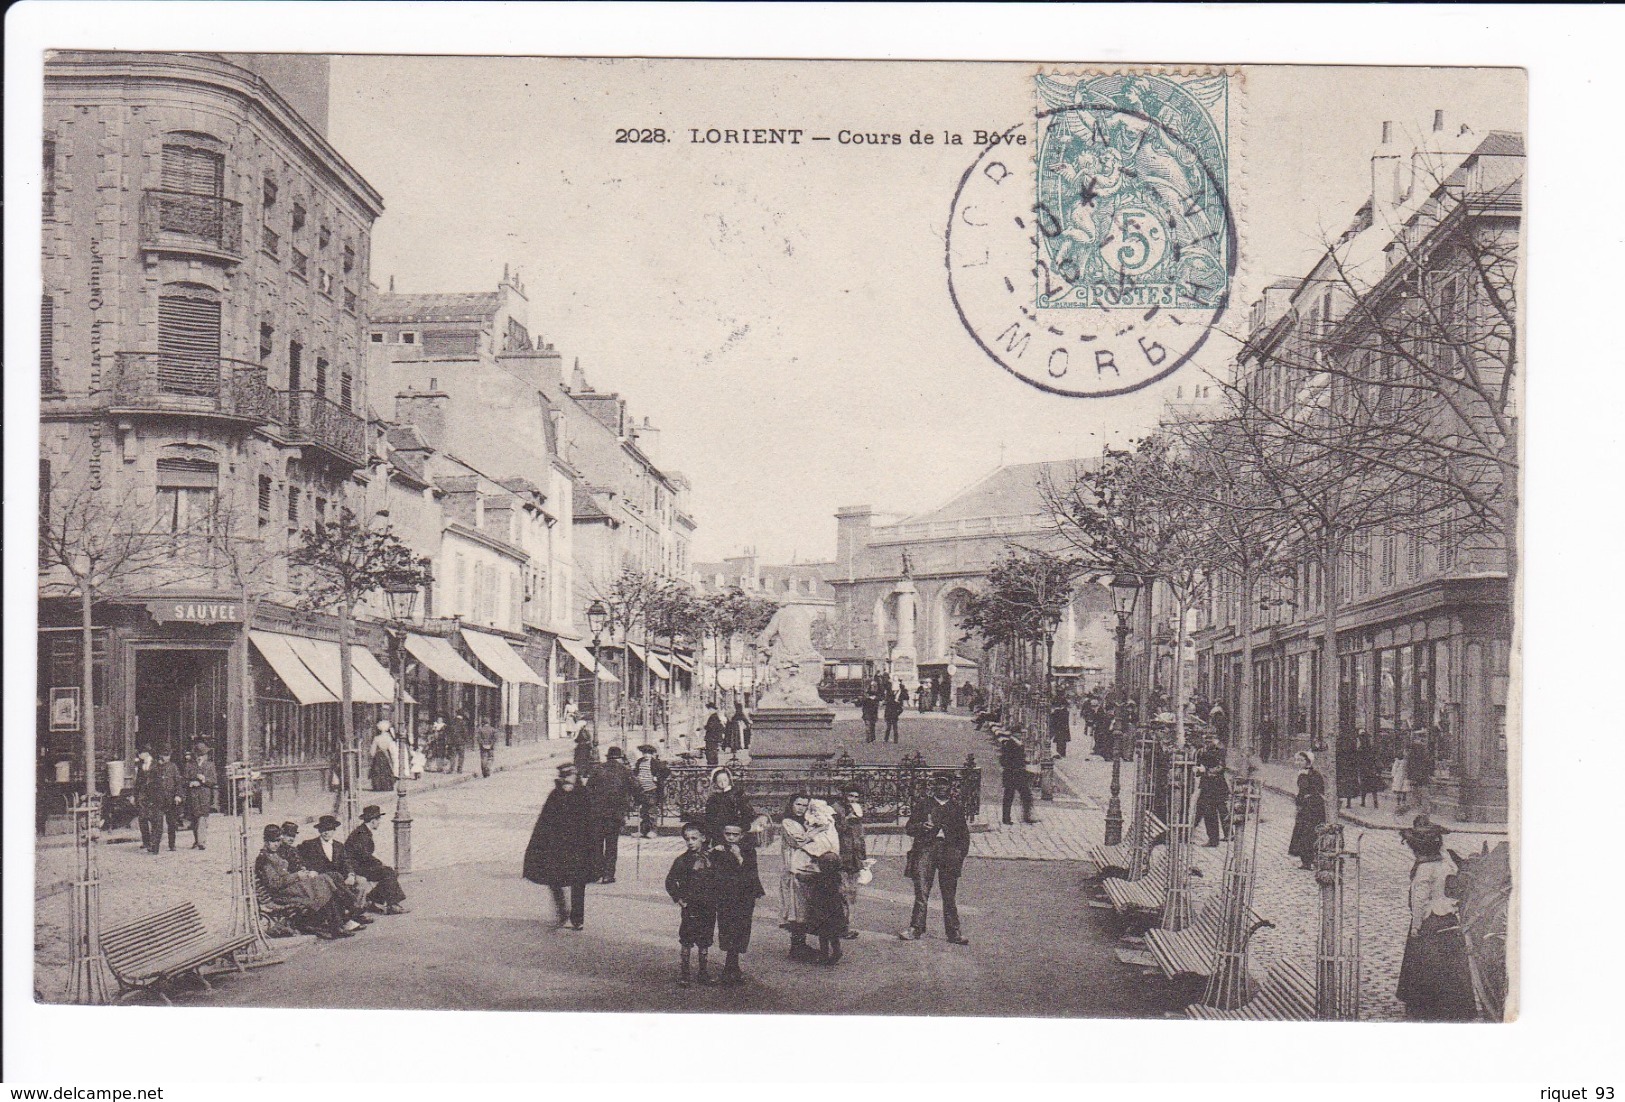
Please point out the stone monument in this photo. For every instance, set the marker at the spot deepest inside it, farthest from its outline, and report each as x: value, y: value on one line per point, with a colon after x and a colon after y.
x: 791, y: 701
x: 905, y: 657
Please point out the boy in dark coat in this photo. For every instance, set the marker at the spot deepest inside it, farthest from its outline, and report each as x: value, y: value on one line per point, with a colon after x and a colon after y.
x: 739, y: 886
x: 692, y: 884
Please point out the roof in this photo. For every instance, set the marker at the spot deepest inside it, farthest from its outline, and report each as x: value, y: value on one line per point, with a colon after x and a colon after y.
x: 1013, y: 490
x: 406, y: 437
x: 1500, y: 143
x: 471, y: 306
x: 588, y: 508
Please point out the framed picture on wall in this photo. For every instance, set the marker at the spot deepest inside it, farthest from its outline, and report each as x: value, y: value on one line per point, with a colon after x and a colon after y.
x: 65, y: 708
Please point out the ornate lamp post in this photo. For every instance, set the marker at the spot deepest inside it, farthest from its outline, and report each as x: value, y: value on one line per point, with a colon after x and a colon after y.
x: 1125, y: 592
x: 402, y: 601
x: 597, y: 620
x: 1046, y: 755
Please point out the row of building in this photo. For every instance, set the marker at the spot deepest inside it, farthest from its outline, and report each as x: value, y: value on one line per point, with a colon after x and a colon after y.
x: 214, y: 354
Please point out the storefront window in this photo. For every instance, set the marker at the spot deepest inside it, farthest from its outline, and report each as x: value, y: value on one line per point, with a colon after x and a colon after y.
x: 1406, y: 697
x: 1387, y: 692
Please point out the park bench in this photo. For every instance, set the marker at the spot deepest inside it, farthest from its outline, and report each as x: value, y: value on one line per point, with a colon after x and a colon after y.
x: 1114, y: 860
x: 149, y: 952
x: 1286, y: 995
x: 1145, y: 894
x: 1194, y: 950
x: 281, y: 919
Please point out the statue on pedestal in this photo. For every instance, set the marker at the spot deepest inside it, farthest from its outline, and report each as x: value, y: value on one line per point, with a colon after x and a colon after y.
x: 796, y: 665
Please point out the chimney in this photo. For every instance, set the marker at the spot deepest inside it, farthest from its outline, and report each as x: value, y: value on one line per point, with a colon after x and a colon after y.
x: 578, y: 379
x: 648, y: 438
x: 1438, y: 122
x: 1386, y: 161
x: 427, y: 411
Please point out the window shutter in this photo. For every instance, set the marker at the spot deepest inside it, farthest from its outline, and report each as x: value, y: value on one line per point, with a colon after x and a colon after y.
x: 193, y: 171
x: 182, y: 473
x: 47, y: 333
x: 188, y: 345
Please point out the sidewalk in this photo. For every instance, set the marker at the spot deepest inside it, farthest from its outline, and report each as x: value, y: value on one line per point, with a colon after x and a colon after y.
x: 1383, y: 816
x: 1287, y: 895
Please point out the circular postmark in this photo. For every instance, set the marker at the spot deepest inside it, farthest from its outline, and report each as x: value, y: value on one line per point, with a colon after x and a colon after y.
x: 1102, y: 263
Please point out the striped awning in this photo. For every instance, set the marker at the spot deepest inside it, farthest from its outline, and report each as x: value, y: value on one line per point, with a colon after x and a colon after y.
x: 444, y: 662
x: 278, y: 652
x: 584, y: 659
x: 650, y: 662
x: 500, y: 658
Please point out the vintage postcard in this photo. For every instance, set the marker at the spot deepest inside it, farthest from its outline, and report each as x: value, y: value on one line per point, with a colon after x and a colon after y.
x: 741, y: 537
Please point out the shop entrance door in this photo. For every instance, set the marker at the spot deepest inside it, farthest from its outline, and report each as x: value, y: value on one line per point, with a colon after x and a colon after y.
x: 180, y: 697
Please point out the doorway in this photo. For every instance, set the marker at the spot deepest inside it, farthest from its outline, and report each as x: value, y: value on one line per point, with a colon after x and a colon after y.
x: 180, y: 697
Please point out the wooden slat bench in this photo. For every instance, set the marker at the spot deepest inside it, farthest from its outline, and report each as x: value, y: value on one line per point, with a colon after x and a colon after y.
x: 1194, y: 950
x: 279, y: 918
x: 149, y: 952
x: 1114, y: 860
x: 1144, y: 894
x: 1286, y: 995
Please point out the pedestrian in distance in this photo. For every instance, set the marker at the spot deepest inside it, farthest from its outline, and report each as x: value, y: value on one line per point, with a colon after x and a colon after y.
x: 385, y: 758
x: 715, y: 729
x: 1435, y: 980
x: 1017, y: 782
x: 902, y: 694
x: 563, y: 848
x: 738, y: 731
x: 869, y: 704
x: 487, y: 735
x: 174, y: 802
x: 1060, y: 724
x: 584, y: 757
x: 199, y: 779
x: 941, y: 838
x: 455, y: 737
x: 894, y: 712
x: 650, y: 773
x: 386, y: 896
x: 1311, y: 810
x: 149, y: 799
x: 612, y: 792
x: 1213, y: 792
x: 693, y: 885
x: 739, y: 886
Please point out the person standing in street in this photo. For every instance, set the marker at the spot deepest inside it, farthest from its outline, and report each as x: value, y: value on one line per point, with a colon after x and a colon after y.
x: 1013, y: 767
x: 1060, y: 724
x: 650, y: 773
x: 149, y: 799
x: 738, y: 734
x: 714, y: 732
x: 870, y: 707
x: 728, y: 804
x: 894, y: 712
x: 1213, y: 792
x: 360, y: 848
x: 561, y: 850
x: 854, y: 850
x: 739, y: 886
x: 612, y: 792
x: 199, y: 780
x: 455, y: 737
x: 385, y: 758
x: 487, y: 736
x: 941, y: 840
x: 1311, y: 810
x: 693, y: 885
x: 1435, y: 979
x: 170, y: 785
x: 584, y: 757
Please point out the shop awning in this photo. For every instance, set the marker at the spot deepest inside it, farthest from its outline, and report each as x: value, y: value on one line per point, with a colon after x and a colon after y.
x: 500, y: 658
x: 653, y: 664
x: 278, y: 653
x: 362, y: 662
x: 583, y: 657
x: 321, y: 657
x: 675, y: 660
x: 444, y: 661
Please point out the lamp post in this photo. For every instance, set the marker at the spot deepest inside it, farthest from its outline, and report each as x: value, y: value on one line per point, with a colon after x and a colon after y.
x: 1046, y: 754
x: 1125, y: 592
x: 597, y: 620
x: 402, y: 601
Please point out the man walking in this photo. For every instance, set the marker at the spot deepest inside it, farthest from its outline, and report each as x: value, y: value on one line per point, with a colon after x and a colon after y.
x: 894, y: 711
x: 941, y: 841
x: 870, y: 705
x: 1013, y: 764
x: 488, y: 748
x: 610, y: 791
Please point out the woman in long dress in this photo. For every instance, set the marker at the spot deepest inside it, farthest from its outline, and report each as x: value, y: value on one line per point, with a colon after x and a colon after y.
x: 794, y: 837
x: 1435, y: 982
x: 826, y: 906
x: 382, y: 765
x: 1311, y: 810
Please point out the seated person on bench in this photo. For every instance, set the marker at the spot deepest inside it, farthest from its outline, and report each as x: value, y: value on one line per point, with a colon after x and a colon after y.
x: 386, y: 896
x: 318, y: 909
x: 326, y: 854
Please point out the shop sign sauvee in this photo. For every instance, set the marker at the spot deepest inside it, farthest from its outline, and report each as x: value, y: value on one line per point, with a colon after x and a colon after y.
x: 196, y: 611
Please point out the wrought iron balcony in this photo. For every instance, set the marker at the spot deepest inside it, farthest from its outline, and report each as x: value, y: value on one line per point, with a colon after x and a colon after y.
x: 320, y: 421
x: 164, y: 382
x: 181, y: 222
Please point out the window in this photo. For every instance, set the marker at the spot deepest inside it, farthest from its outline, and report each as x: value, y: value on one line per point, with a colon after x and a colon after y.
x: 270, y: 242
x: 268, y: 193
x: 1413, y: 557
x: 377, y: 337
x: 267, y: 340
x: 409, y: 338
x: 296, y: 355
x: 324, y: 282
x: 193, y: 171
x: 293, y: 506
x: 349, y: 307
x: 186, y: 493
x: 349, y: 257
x: 323, y: 236
x: 321, y: 375
x: 265, y: 500
x: 477, y: 612
x: 298, y: 221
x: 299, y: 263
x: 1389, y: 565
x: 47, y: 351
x: 1447, y: 545
x: 461, y: 595
x: 321, y: 510
x: 346, y: 390
x: 44, y: 513
x: 451, y: 342
x: 189, y: 341
x: 48, y: 179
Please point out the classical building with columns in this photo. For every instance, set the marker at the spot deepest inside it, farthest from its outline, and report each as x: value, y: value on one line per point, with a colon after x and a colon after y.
x: 901, y: 583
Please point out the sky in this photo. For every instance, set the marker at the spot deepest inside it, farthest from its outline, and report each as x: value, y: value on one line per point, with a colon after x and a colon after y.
x: 781, y: 312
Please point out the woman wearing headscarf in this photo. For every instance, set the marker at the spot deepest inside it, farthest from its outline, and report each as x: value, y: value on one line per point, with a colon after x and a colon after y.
x: 1311, y: 810
x: 728, y: 806
x: 563, y: 847
x: 1435, y: 983
x: 826, y: 906
x: 794, y: 837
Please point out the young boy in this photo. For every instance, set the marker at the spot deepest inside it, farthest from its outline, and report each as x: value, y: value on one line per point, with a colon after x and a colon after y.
x: 692, y: 885
x: 739, y: 886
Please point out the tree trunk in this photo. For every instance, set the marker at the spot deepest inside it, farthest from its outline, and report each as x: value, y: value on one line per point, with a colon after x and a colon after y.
x: 1179, y: 675
x: 349, y: 751
x: 250, y: 608
x: 1329, y: 711
x: 1243, y: 723
x: 87, y: 705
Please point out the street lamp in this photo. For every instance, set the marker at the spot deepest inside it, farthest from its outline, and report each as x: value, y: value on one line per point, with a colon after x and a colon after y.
x: 1125, y: 593
x: 1046, y: 755
x: 403, y: 600
x: 597, y: 620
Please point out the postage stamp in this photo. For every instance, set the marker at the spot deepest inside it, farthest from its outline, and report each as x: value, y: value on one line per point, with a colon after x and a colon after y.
x: 1103, y: 262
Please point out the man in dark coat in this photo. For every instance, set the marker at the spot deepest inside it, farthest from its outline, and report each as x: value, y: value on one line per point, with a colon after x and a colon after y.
x: 1013, y: 766
x: 171, y: 790
x: 149, y: 800
x: 386, y: 896
x: 1060, y: 724
x: 561, y: 853
x: 488, y: 735
x: 894, y: 711
x: 714, y: 731
x: 325, y: 854
x: 1213, y: 793
x: 612, y: 792
x: 738, y: 730
x: 870, y: 704
x: 941, y: 841
x: 650, y: 774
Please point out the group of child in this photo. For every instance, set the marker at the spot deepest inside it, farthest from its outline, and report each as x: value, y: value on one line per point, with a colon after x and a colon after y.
x: 716, y: 883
